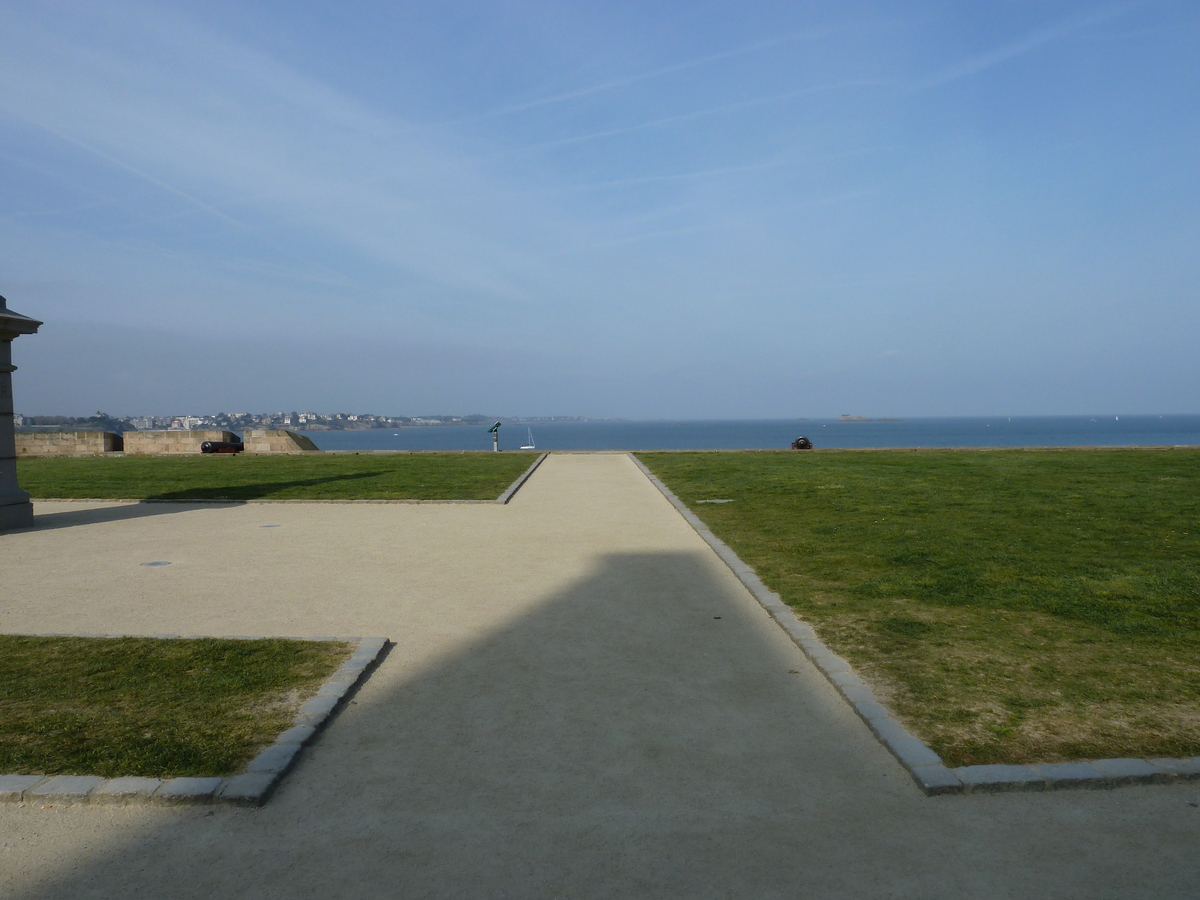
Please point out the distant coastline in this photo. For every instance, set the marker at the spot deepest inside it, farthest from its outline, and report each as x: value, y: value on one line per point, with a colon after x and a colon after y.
x: 778, y: 434
x: 296, y: 421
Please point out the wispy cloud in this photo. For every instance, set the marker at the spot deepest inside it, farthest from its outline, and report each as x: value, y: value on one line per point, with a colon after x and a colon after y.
x: 708, y: 113
x: 1042, y: 36
x: 626, y: 81
x: 740, y: 220
x: 126, y: 167
x: 778, y: 161
x: 204, y: 119
x: 676, y: 176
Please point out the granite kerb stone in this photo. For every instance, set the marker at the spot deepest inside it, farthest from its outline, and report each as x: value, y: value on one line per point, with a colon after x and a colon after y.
x: 1069, y: 775
x: 870, y: 709
x: 275, y: 760
x: 350, y: 673
x: 13, y: 787
x: 831, y: 663
x: 65, y: 788
x: 844, y: 680
x: 936, y: 779
x: 128, y: 789
x: 336, y: 689
x: 998, y: 778
x: 370, y: 646
x: 188, y: 790
x: 1129, y: 771
x: 782, y: 613
x: 297, y: 734
x: 250, y: 788
x: 1183, y: 769
x: 1096, y: 774
x: 908, y: 750
x: 800, y: 631
x: 857, y: 694
x: 319, y: 706
x: 517, y: 485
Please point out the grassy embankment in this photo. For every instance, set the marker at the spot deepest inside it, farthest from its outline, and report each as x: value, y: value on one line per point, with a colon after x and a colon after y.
x: 150, y: 707
x: 417, y: 476
x: 1009, y: 606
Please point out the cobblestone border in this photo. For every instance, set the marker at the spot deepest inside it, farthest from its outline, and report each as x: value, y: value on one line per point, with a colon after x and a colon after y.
x: 926, y: 767
x: 250, y: 788
x: 502, y: 499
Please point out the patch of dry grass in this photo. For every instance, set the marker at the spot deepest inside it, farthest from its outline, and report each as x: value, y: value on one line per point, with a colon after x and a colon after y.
x: 988, y: 686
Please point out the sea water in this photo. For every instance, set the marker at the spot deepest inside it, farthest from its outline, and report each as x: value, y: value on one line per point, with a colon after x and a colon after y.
x: 1001, y: 431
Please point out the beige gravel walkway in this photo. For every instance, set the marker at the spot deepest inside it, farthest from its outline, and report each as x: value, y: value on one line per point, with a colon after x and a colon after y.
x: 582, y: 702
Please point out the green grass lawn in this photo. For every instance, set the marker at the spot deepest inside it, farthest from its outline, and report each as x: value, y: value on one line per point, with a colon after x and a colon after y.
x: 1009, y: 606
x: 418, y: 476
x: 150, y: 707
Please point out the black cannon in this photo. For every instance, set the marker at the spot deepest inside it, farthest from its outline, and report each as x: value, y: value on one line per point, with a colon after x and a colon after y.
x: 222, y: 447
x: 802, y: 443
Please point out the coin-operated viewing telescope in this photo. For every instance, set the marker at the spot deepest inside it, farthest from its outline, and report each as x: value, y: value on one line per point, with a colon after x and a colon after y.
x: 15, y: 509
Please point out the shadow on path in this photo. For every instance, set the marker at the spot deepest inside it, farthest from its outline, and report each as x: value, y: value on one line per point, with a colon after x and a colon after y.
x: 638, y: 735
x: 45, y: 521
x: 257, y: 490
x: 169, y: 502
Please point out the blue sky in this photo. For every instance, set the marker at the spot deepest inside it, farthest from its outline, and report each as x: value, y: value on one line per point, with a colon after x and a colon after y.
x: 643, y: 210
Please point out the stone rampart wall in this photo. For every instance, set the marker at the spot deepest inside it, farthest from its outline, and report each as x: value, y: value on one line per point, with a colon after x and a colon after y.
x: 271, y: 440
x: 158, y: 443
x: 67, y: 443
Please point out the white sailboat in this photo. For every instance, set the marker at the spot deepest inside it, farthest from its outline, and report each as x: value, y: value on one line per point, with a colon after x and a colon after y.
x: 530, y: 445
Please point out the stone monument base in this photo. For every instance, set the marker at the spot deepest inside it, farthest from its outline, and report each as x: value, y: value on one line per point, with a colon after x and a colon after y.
x: 16, y: 515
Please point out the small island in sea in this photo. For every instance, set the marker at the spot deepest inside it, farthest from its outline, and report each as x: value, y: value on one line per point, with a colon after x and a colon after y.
x: 865, y: 419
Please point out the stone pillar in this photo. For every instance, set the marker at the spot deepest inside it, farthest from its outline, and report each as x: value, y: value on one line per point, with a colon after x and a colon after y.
x: 15, y: 509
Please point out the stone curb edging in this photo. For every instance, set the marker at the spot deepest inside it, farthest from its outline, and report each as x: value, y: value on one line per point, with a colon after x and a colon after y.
x: 926, y: 768
x: 502, y: 499
x: 519, y: 483
x: 252, y: 787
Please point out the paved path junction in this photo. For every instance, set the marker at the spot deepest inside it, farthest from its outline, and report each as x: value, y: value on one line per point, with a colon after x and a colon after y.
x: 581, y: 702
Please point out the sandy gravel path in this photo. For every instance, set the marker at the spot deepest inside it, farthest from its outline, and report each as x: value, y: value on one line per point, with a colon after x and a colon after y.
x: 582, y: 702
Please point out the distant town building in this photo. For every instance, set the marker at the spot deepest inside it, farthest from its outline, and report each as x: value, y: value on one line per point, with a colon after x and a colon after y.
x: 307, y: 421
